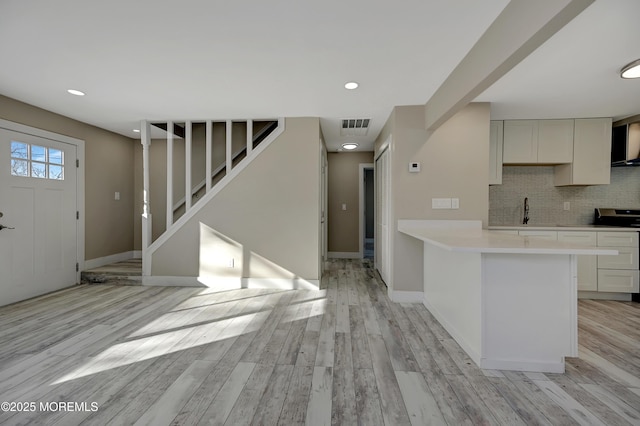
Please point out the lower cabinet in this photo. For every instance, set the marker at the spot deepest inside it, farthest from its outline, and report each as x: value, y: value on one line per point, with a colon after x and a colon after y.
x: 606, y: 274
x: 587, y: 265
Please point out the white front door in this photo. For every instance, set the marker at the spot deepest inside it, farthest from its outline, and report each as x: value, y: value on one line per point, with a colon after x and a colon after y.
x: 38, y: 197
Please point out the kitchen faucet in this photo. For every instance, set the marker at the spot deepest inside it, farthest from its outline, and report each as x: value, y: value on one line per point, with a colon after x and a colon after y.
x: 525, y: 219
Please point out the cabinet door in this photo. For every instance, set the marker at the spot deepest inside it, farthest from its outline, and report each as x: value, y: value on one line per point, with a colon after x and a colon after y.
x: 520, y: 142
x: 587, y: 264
x: 495, y: 153
x: 547, y: 235
x: 591, y: 154
x: 555, y: 141
x: 618, y: 281
x: 617, y: 239
x: 627, y: 258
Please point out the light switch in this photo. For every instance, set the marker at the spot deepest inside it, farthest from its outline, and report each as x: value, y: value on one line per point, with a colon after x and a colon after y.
x: 441, y: 203
x: 117, y: 196
x: 344, y: 207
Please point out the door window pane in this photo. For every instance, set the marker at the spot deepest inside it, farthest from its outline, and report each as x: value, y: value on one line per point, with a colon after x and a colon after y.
x: 19, y: 150
x: 36, y: 161
x: 56, y: 172
x: 38, y: 170
x: 19, y: 167
x: 38, y: 153
x: 55, y: 156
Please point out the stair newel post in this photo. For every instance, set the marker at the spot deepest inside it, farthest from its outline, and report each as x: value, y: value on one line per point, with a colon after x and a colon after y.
x: 229, y: 145
x: 187, y: 166
x: 170, y: 133
x: 208, y: 148
x: 145, y: 140
x: 249, y: 137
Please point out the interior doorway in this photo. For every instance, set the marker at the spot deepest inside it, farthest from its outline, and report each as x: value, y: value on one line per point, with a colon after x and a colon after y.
x: 367, y: 210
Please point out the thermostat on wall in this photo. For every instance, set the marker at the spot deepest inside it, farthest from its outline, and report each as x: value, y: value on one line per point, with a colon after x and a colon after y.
x: 414, y: 167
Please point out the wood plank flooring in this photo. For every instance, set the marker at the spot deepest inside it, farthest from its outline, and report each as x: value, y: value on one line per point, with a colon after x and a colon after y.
x: 342, y: 355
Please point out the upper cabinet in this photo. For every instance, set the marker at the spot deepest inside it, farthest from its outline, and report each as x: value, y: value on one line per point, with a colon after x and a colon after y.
x: 495, y: 153
x: 538, y: 141
x: 591, y: 154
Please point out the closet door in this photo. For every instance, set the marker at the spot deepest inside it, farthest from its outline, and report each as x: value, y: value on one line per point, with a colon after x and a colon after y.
x: 382, y: 251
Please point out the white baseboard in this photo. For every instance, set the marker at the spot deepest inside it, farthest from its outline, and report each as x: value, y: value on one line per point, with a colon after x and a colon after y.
x: 106, y: 260
x: 622, y: 297
x: 344, y: 255
x: 407, y: 296
x: 224, y: 284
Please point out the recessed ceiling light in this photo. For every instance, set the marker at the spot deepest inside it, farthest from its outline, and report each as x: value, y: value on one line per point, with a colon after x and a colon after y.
x: 136, y: 130
x: 351, y: 85
x: 350, y: 145
x: 75, y: 92
x: 631, y: 70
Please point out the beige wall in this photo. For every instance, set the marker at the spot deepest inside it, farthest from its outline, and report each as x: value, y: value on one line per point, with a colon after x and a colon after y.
x: 108, y: 168
x: 267, y: 219
x: 454, y: 163
x: 344, y: 188
x: 158, y: 171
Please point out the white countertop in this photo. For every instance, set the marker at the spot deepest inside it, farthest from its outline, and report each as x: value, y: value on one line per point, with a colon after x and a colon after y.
x: 562, y: 228
x: 476, y: 240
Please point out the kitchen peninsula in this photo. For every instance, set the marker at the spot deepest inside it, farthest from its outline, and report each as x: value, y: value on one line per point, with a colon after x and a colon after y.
x: 509, y: 301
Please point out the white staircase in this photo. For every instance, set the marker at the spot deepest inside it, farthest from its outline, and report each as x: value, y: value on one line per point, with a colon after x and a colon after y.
x: 227, y: 147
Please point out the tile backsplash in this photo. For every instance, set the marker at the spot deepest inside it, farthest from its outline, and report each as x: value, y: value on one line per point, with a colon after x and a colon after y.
x: 546, y: 202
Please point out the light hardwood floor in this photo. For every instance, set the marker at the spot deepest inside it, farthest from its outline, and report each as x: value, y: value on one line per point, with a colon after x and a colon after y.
x: 343, y: 355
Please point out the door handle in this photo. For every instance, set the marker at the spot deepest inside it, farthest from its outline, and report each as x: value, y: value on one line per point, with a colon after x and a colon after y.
x: 5, y: 227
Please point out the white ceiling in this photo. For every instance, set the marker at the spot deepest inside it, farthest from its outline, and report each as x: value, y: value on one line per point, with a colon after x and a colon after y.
x: 199, y: 59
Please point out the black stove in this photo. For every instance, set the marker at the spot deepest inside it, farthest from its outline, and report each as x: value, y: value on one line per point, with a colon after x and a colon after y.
x: 617, y: 217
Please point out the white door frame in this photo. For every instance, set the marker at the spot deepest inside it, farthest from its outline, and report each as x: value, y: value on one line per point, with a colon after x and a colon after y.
x: 79, y: 144
x: 361, y: 191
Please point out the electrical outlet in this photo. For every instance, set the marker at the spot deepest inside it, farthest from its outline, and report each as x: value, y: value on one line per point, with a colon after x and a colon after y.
x: 455, y: 203
x: 230, y: 264
x: 567, y: 205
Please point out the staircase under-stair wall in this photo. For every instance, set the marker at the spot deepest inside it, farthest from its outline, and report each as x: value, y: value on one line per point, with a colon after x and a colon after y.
x: 251, y: 216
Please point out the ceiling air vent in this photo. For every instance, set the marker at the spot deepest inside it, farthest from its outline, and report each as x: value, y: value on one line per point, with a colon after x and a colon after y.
x: 354, y: 127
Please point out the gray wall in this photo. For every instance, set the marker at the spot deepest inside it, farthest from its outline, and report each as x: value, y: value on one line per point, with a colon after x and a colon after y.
x: 546, y: 201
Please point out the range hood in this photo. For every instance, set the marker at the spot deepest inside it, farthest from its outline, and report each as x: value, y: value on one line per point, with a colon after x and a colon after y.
x: 625, y: 145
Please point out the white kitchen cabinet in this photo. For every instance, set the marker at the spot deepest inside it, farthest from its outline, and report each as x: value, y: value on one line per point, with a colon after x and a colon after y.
x: 538, y: 141
x: 520, y: 142
x: 547, y: 235
x: 555, y: 141
x: 591, y: 154
x: 617, y: 239
x: 587, y: 265
x: 618, y: 274
x: 618, y: 280
x: 627, y: 258
x: 495, y: 153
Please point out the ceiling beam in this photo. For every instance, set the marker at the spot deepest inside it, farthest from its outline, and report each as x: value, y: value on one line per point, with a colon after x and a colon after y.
x: 521, y: 28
